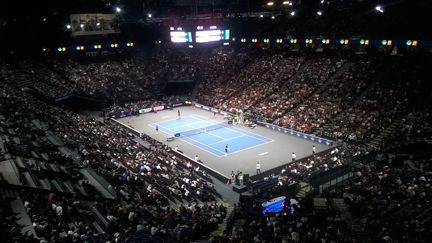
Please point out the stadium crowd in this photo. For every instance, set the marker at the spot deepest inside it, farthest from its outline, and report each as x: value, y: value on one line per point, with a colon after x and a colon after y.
x: 266, y: 84
x: 311, y: 75
x: 292, y: 226
x: 337, y: 95
x: 392, y: 198
x: 352, y: 99
x: 148, y: 180
x: 385, y: 102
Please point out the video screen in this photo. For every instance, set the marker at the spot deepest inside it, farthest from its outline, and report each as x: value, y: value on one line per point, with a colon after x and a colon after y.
x: 180, y: 36
x: 280, y: 205
x: 212, y: 35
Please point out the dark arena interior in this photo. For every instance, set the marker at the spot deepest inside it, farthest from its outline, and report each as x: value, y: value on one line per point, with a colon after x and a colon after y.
x: 218, y: 121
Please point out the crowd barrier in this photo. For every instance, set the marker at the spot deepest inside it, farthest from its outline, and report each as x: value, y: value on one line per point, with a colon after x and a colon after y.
x: 131, y: 129
x: 211, y: 109
x: 121, y: 114
x: 287, y: 131
x: 277, y: 170
x: 326, y: 176
x: 208, y: 170
x: 214, y: 173
x: 291, y: 132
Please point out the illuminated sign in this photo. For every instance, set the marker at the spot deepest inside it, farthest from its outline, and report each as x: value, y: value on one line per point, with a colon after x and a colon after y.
x: 181, y: 37
x: 213, y: 35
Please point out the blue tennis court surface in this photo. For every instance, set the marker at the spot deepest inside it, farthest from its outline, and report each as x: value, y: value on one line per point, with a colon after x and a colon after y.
x: 212, y: 141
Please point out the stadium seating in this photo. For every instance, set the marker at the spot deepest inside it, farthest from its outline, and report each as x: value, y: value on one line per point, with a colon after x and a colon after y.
x: 62, y: 160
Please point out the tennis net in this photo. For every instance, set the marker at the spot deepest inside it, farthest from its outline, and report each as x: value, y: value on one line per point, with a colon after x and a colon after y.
x: 202, y: 129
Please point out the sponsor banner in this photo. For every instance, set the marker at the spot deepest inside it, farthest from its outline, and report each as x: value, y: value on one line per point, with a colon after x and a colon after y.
x: 145, y: 110
x: 305, y: 136
x: 94, y: 24
x: 177, y: 105
x: 121, y: 114
x: 159, y: 108
x: 211, y: 109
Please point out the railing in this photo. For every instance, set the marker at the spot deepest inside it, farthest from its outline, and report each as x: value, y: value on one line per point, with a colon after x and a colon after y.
x: 207, y: 169
x: 277, y: 170
x: 309, y: 137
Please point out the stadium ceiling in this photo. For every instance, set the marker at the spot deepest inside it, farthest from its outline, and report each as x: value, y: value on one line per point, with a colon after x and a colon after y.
x: 15, y: 8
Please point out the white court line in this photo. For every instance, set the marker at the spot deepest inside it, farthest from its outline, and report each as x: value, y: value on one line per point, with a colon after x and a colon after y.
x: 227, y: 139
x: 188, y: 125
x: 175, y: 119
x: 211, y: 148
x: 264, y: 140
x: 164, y: 128
x: 251, y: 134
x: 215, y: 135
x: 250, y: 147
x: 203, y: 118
x: 184, y: 139
x: 260, y: 139
x: 241, y: 150
x: 245, y: 133
x: 263, y: 153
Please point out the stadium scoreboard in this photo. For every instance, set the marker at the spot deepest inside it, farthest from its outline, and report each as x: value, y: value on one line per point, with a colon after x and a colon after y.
x: 201, y: 35
x: 212, y: 34
x: 177, y: 35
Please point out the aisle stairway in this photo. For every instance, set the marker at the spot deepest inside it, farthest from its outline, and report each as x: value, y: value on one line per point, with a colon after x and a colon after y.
x: 305, y: 189
x: 222, y: 226
x: 338, y: 204
x: 379, y: 76
x: 17, y: 206
x: 378, y: 141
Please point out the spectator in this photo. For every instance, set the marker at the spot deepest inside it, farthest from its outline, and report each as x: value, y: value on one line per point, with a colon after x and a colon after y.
x: 258, y: 168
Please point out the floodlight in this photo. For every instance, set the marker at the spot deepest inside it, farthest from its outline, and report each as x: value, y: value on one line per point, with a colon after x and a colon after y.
x: 379, y: 9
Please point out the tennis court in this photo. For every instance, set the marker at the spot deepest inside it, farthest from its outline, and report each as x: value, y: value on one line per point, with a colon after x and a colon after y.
x: 211, y: 136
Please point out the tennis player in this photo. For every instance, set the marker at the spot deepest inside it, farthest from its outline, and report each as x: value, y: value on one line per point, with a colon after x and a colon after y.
x: 226, y: 149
